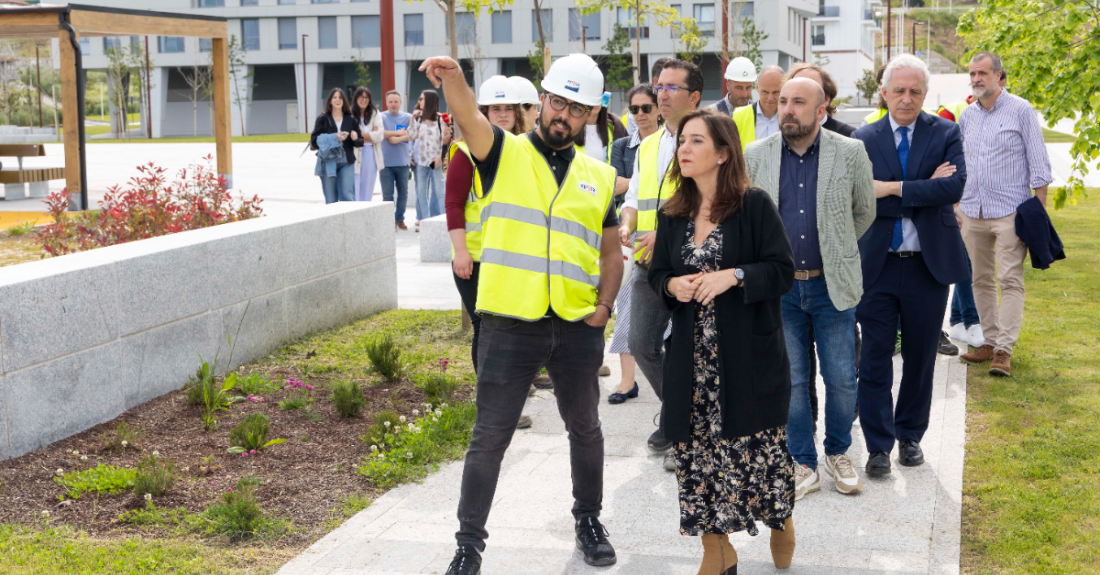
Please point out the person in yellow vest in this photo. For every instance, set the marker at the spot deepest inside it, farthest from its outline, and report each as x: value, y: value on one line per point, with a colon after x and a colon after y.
x: 761, y: 118
x: 528, y: 99
x: 547, y: 284
x: 679, y: 89
x: 953, y: 110
x: 740, y: 80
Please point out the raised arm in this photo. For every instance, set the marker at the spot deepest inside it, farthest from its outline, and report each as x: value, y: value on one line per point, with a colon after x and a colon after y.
x: 475, y: 128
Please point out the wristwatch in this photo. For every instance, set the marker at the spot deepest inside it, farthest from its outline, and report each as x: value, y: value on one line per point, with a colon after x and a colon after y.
x: 740, y: 275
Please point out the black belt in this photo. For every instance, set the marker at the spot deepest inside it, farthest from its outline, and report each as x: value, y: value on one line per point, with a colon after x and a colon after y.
x: 904, y: 254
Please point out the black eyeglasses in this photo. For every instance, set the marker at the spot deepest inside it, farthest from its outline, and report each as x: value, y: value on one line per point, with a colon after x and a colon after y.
x: 645, y: 108
x: 575, y: 110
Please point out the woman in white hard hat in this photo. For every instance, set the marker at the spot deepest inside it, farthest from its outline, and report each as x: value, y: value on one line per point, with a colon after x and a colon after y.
x: 528, y: 99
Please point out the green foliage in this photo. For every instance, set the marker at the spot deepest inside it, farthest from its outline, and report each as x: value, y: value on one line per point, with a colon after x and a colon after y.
x: 437, y: 436
x: 1051, y: 52
x: 641, y: 13
x: 154, y: 475
x: 238, y: 515
x: 251, y: 434
x: 242, y: 75
x: 385, y: 426
x: 385, y: 358
x: 123, y: 437
x: 21, y: 229
x: 746, y: 41
x: 348, y: 398
x: 292, y: 403
x: 254, y: 383
x: 153, y: 516
x: 619, y: 75
x: 534, y: 58
x: 867, y: 87
x: 692, y: 42
x: 439, y: 387
x: 362, y: 69
x: 100, y: 479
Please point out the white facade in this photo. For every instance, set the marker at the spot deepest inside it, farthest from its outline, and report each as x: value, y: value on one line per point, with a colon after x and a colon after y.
x: 281, y: 101
x: 844, y: 32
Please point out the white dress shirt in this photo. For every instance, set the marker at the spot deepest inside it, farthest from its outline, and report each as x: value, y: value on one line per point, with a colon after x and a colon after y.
x: 666, y: 151
x: 764, y: 126
x: 909, y: 240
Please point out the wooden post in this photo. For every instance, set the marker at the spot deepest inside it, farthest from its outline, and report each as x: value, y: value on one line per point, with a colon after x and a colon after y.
x: 70, y: 105
x: 389, y: 81
x: 223, y: 131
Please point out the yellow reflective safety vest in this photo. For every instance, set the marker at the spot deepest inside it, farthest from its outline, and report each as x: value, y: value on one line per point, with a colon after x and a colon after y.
x: 875, y: 116
x: 610, y: 139
x: 541, y: 242
x: 955, y: 109
x: 653, y: 191
x: 745, y: 118
x: 475, y: 203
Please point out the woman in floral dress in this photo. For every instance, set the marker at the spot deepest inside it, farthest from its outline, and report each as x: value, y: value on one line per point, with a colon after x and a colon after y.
x: 722, y: 261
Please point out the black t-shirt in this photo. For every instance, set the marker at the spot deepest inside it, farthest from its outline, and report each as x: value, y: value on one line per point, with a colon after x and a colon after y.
x: 558, y: 160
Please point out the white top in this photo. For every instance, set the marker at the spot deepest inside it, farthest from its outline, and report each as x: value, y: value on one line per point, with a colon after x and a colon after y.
x: 592, y: 144
x: 666, y: 152
x: 764, y: 126
x: 909, y: 240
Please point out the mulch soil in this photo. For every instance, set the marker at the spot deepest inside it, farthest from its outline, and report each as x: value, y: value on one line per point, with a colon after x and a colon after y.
x: 303, y: 479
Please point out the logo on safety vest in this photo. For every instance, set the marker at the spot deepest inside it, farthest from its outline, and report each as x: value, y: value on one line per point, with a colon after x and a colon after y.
x: 572, y: 86
x: 587, y: 188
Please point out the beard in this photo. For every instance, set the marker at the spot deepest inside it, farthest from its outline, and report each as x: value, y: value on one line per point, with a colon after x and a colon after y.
x: 795, y: 132
x: 981, y: 92
x: 553, y: 140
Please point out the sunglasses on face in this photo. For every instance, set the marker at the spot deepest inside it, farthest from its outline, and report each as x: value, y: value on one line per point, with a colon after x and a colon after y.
x: 575, y: 110
x: 645, y: 108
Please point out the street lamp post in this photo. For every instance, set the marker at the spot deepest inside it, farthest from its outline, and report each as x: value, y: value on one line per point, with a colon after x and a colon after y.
x: 305, y: 86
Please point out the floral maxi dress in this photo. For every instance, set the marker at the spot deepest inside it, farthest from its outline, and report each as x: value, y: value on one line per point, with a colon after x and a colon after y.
x: 725, y: 484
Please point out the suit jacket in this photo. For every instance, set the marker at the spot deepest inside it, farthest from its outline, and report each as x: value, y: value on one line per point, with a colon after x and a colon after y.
x: 754, y: 372
x: 845, y: 205
x: 1034, y: 228
x: 928, y: 203
x: 834, y: 125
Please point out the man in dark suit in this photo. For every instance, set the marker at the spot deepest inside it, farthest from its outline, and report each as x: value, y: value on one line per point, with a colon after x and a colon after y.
x: 911, y: 255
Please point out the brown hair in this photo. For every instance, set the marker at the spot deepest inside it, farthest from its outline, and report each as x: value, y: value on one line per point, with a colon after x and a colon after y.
x: 733, y: 177
x: 827, y: 83
x: 520, y: 127
x: 344, y: 109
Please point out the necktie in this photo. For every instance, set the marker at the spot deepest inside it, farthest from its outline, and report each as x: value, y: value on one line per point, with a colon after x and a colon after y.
x: 903, y: 157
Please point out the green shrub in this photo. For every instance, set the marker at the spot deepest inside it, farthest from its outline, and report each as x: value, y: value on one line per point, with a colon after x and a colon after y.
x: 411, y: 454
x: 439, y: 387
x: 251, y: 434
x: 348, y: 397
x: 154, y: 476
x: 155, y: 516
x: 387, y: 424
x: 299, y: 395
x: 100, y: 479
x: 238, y: 515
x: 21, y: 229
x: 385, y: 358
x: 292, y: 403
x: 123, y: 437
x: 254, y: 384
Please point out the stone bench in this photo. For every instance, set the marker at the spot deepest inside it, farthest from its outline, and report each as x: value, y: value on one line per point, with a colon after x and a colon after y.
x: 435, y: 242
x: 23, y: 182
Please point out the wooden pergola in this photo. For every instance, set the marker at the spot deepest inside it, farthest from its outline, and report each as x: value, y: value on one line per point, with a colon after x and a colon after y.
x: 71, y: 22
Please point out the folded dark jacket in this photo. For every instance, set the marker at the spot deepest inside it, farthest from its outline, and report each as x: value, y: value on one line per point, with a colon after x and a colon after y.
x: 1034, y: 228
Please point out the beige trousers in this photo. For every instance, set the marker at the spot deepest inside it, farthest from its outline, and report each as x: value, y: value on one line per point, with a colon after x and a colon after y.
x: 995, y: 251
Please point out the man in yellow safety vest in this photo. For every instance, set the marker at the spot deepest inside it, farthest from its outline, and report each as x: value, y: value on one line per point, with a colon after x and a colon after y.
x: 761, y: 118
x: 546, y: 287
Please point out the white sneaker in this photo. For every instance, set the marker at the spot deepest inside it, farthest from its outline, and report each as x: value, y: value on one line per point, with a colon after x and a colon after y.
x: 974, y: 335
x: 957, y: 332
x: 840, y: 468
x: 806, y: 480
x: 669, y: 463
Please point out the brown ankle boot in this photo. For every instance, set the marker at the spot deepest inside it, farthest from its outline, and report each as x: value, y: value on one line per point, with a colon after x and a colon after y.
x: 782, y: 544
x: 729, y: 555
x: 1002, y: 364
x: 980, y: 355
x: 712, y: 555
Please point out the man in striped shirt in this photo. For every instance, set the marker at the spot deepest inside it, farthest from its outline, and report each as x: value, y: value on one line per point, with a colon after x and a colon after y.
x: 1006, y: 159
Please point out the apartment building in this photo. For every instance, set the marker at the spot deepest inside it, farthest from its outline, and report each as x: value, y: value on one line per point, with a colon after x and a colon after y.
x: 843, y: 34
x: 288, y: 84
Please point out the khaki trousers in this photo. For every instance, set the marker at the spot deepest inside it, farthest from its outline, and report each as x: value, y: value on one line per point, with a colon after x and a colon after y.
x: 995, y: 251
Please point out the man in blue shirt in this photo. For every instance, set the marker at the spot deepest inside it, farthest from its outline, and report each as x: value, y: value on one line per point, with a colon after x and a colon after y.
x: 395, y: 156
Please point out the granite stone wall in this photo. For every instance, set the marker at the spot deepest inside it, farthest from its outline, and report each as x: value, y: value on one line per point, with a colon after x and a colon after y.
x: 87, y: 336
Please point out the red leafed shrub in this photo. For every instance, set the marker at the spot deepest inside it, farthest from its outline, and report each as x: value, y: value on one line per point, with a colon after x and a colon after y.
x: 149, y: 206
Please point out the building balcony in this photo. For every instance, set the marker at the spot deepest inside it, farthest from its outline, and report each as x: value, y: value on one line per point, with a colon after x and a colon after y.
x: 828, y: 12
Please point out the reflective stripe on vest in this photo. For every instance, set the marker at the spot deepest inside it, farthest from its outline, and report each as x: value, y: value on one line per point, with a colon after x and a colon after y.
x: 473, y: 209
x: 652, y: 191
x: 541, y: 241
x: 745, y: 118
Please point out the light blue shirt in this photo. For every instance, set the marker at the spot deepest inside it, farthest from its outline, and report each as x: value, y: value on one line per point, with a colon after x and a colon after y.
x: 764, y: 126
x: 909, y: 240
x: 395, y: 155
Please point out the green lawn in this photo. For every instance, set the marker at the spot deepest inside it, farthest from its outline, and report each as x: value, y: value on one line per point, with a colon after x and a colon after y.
x: 1052, y: 137
x: 1031, y: 488
x: 237, y: 140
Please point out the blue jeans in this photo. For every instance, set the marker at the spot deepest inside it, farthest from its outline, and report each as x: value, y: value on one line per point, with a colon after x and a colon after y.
x: 963, y: 308
x: 428, y: 201
x: 342, y: 187
x: 807, y: 308
x: 391, y: 177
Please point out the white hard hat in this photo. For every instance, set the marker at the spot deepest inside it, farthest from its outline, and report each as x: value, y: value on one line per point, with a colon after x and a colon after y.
x: 497, y: 90
x: 575, y: 77
x: 528, y: 93
x: 741, y: 69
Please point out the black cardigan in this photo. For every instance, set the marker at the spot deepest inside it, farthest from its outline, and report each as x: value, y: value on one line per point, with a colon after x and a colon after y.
x: 325, y: 124
x: 754, y: 371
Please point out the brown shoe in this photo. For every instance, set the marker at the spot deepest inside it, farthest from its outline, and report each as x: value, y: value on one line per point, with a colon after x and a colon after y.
x: 1002, y: 364
x: 402, y: 226
x: 542, y: 381
x: 980, y: 355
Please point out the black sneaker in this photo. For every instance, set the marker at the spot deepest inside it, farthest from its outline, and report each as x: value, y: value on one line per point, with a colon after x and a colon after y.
x: 946, y: 347
x: 467, y: 561
x: 592, y: 541
x: 878, y: 464
x: 658, y: 443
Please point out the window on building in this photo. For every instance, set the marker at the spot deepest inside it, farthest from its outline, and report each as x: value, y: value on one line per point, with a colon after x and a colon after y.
x: 502, y: 27
x: 676, y: 33
x: 250, y: 2
x: 704, y: 18
x: 414, y: 29
x: 285, y: 2
x: 327, y: 37
x: 547, y: 25
x: 365, y: 32
x: 288, y: 33
x: 588, y: 24
x: 627, y: 20
x: 170, y: 45
x: 466, y: 26
x: 250, y: 33
x: 748, y: 10
x: 135, y: 42
x: 360, y: 0
x: 818, y: 38
x: 209, y: 3
x: 326, y: 1
x: 111, y: 43
x: 85, y: 46
x: 206, y: 45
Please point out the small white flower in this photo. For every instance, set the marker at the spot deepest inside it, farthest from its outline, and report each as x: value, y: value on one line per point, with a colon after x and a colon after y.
x: 75, y: 452
x: 156, y: 454
x: 45, y: 513
x: 412, y: 427
x: 148, y: 496
x: 60, y: 471
x: 84, y: 458
x: 438, y: 413
x: 443, y: 406
x: 386, y: 423
x: 435, y: 419
x: 374, y: 448
x: 408, y: 455
x: 125, y: 443
x: 401, y: 419
x: 428, y: 406
x: 381, y: 456
x: 416, y: 413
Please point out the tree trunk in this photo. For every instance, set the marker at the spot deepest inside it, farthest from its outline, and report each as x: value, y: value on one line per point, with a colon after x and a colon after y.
x: 451, y: 26
x: 542, y: 35
x: 637, y: 56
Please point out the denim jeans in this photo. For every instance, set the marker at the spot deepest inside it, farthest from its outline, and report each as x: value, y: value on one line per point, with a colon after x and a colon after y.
x: 391, y: 177
x: 342, y: 187
x: 510, y: 353
x: 963, y: 308
x: 429, y: 184
x: 808, y: 307
x: 648, y: 323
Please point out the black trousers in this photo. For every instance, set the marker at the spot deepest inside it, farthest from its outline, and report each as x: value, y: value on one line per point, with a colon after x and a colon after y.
x: 467, y: 290
x: 510, y: 353
x: 904, y: 290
